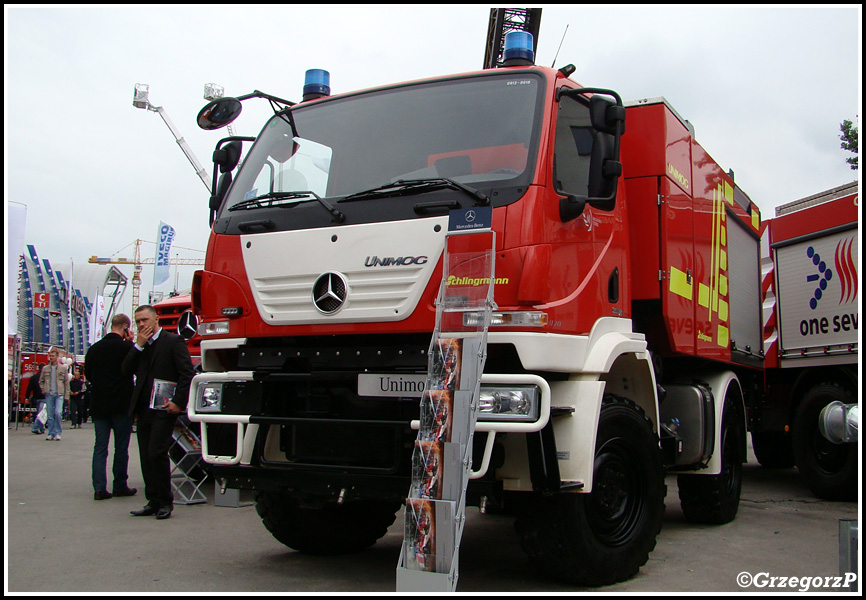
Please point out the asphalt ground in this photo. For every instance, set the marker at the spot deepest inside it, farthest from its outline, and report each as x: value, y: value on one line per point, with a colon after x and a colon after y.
x: 59, y: 540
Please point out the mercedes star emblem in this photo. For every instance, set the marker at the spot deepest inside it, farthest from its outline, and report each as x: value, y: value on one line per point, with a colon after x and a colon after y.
x: 329, y: 292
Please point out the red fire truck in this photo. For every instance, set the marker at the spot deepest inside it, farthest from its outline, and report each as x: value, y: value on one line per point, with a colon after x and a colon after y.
x: 626, y: 341
x: 810, y: 290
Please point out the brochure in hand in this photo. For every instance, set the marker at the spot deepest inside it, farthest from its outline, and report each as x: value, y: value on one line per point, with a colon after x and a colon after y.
x: 162, y: 392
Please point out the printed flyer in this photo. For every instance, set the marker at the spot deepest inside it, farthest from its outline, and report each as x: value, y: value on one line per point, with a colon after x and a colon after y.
x: 446, y: 364
x: 428, y: 537
x: 162, y: 392
x: 437, y: 415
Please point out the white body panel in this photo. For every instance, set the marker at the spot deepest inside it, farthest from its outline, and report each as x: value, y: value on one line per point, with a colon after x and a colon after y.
x: 817, y: 303
x: 282, y: 268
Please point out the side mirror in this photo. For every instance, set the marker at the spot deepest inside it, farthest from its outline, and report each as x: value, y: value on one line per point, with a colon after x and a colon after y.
x: 604, y: 114
x: 221, y: 189
x: 571, y: 207
x: 228, y: 157
x: 216, y: 199
x: 219, y: 113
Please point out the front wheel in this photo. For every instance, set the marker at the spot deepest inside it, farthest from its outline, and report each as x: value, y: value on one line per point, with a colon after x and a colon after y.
x: 605, y: 536
x: 328, y: 530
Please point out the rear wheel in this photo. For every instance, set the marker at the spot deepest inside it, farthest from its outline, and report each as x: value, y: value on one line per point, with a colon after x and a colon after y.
x: 830, y: 470
x: 714, y: 499
x: 605, y: 536
x: 328, y: 530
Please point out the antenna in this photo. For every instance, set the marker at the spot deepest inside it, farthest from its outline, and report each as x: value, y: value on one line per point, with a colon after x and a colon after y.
x: 560, y: 46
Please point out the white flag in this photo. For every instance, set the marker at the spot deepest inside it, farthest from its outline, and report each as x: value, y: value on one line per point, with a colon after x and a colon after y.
x: 163, y: 248
x: 97, y: 320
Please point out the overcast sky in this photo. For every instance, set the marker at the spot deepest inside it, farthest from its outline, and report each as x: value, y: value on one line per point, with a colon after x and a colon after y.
x: 765, y: 88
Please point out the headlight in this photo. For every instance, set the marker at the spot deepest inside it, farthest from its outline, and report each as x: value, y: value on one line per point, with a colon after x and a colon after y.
x: 209, y: 398
x: 513, y: 403
x: 506, y: 319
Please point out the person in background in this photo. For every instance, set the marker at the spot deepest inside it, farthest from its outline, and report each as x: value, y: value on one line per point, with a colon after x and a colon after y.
x: 163, y: 372
x: 37, y: 399
x: 55, y: 385
x: 85, y: 398
x: 76, y: 399
x: 110, y: 390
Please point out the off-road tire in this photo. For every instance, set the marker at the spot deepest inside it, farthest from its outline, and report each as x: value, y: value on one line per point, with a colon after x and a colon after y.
x: 830, y: 470
x: 329, y: 530
x: 714, y: 499
x: 603, y: 537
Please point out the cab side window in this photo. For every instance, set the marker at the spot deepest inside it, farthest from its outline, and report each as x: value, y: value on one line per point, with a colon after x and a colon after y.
x: 573, y: 147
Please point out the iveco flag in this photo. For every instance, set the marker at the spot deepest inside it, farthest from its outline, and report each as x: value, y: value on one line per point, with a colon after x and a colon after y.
x: 163, y: 247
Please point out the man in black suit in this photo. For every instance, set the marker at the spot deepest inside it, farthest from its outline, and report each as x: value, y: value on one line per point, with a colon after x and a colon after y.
x: 162, y: 358
x: 110, y: 391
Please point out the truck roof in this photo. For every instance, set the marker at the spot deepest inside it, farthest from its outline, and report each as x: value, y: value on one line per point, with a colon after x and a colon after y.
x: 662, y: 100
x: 831, y: 194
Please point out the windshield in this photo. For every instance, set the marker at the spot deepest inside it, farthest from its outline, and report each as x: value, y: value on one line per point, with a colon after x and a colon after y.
x: 477, y: 131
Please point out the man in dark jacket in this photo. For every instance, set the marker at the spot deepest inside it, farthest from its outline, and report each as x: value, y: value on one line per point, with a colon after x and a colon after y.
x: 163, y: 372
x: 110, y: 391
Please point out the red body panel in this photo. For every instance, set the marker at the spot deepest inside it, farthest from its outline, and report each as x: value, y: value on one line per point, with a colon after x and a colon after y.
x: 816, y: 218
x: 580, y: 270
x: 679, y: 201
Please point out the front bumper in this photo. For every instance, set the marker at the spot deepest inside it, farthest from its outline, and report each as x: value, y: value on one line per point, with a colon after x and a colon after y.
x: 266, y: 439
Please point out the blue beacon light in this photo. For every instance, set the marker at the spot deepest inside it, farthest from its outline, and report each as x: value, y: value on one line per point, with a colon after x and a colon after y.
x: 518, y: 49
x: 317, y: 84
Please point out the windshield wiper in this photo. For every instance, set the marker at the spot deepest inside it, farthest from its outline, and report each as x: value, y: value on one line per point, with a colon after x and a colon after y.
x: 271, y: 197
x: 403, y: 187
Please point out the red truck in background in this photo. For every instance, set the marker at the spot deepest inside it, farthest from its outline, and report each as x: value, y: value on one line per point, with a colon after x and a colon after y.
x: 31, y: 362
x: 175, y: 314
x: 811, y: 318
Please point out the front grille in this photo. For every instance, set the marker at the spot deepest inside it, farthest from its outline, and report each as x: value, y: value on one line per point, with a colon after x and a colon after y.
x: 323, y: 423
x: 356, y: 445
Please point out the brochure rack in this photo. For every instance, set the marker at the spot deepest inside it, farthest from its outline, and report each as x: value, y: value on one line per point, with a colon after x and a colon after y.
x: 186, y: 459
x: 442, y: 460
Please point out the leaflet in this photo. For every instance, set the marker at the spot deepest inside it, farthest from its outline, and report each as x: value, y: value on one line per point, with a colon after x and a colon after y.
x: 163, y: 391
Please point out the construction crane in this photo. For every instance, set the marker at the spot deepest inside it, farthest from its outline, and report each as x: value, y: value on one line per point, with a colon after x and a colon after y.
x: 137, y: 262
x: 504, y: 21
x: 140, y: 100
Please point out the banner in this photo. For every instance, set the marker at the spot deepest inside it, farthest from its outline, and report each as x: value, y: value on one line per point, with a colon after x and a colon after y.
x: 16, y: 218
x: 97, y: 320
x: 163, y: 248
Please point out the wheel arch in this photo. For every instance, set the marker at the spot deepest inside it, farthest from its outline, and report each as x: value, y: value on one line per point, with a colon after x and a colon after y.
x: 631, y: 375
x: 721, y: 384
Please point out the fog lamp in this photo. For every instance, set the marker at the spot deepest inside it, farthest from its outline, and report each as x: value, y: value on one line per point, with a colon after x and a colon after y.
x: 514, y: 403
